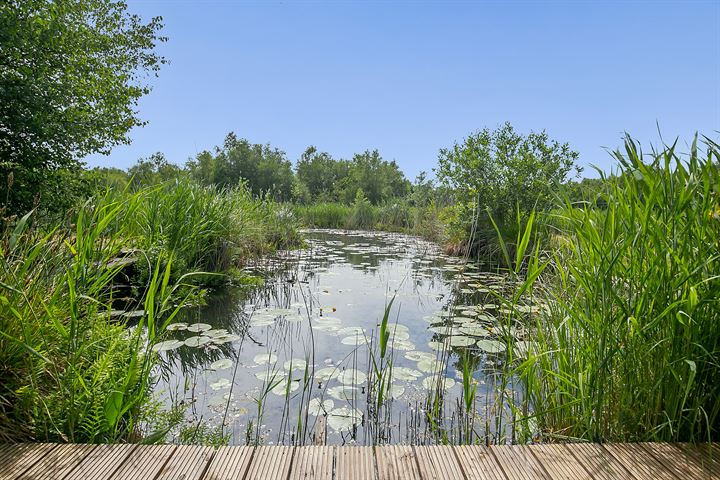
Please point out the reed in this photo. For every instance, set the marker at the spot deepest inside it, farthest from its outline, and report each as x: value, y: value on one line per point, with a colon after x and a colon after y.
x: 627, y: 348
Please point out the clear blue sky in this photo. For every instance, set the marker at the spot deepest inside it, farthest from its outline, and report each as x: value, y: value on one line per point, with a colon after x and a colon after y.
x: 409, y: 78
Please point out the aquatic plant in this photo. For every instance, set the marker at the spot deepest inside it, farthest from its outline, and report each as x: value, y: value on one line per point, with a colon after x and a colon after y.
x: 628, y: 346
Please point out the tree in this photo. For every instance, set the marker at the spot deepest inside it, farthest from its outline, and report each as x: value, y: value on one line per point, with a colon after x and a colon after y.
x: 71, y: 74
x: 153, y: 170
x: 320, y: 174
x: 264, y: 169
x: 502, y: 169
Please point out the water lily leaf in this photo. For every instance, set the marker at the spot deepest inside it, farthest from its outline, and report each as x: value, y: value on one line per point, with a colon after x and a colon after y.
x: 198, y: 327
x: 177, y: 326
x: 264, y: 358
x: 316, y: 407
x: 281, y: 388
x: 198, y: 341
x: 491, y: 346
x: 327, y: 373
x: 221, y: 364
x: 352, y: 376
x: 432, y: 382
x: 295, y: 364
x: 167, y: 345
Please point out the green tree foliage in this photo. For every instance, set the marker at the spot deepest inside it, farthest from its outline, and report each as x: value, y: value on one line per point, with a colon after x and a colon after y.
x: 71, y: 73
x: 264, y: 169
x: 153, y: 170
x: 325, y: 179
x: 320, y: 174
x: 500, y: 171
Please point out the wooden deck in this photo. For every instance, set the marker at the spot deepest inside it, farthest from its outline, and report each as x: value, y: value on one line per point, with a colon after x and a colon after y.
x: 654, y: 461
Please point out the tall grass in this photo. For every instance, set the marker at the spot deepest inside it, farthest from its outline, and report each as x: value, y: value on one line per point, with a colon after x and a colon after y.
x: 629, y: 347
x: 70, y: 372
x: 209, y: 229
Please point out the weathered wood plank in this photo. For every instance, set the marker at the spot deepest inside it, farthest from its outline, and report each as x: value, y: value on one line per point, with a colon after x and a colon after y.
x: 18, y: 458
x: 58, y: 463
x: 320, y: 430
x: 313, y: 462
x: 101, y: 462
x: 270, y: 463
x: 355, y: 463
x: 229, y: 463
x: 675, y: 460
x: 597, y: 461
x: 478, y: 463
x: 144, y: 462
x: 704, y: 457
x: 638, y: 461
x: 396, y: 462
x: 518, y: 462
x: 438, y: 463
x: 187, y: 463
x: 559, y: 463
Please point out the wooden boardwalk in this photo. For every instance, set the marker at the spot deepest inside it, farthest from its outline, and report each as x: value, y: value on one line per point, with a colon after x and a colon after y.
x: 654, y: 461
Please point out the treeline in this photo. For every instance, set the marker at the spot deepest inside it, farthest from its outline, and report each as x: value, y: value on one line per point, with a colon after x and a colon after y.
x: 266, y: 171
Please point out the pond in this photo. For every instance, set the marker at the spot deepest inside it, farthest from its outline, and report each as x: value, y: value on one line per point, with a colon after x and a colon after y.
x: 265, y: 364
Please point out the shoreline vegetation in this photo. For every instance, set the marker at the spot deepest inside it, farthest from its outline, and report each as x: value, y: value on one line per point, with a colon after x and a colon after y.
x: 96, y: 263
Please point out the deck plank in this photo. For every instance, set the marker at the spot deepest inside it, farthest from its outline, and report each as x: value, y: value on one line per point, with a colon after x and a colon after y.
x: 478, y: 463
x: 270, y: 463
x: 18, y: 458
x: 518, y: 462
x: 559, y: 463
x: 638, y: 461
x: 396, y: 462
x: 355, y: 463
x: 675, y: 460
x: 58, y: 463
x: 313, y: 463
x: 146, y: 461
x: 187, y: 463
x: 703, y: 456
x: 229, y: 463
x: 597, y: 461
x: 438, y: 463
x: 101, y: 462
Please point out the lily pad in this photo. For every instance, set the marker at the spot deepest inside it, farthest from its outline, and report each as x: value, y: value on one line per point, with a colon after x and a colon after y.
x: 177, y: 326
x: 316, y: 407
x: 198, y: 327
x: 343, y: 419
x: 327, y: 373
x: 295, y: 364
x: 342, y: 392
x: 491, y: 346
x: 263, y: 358
x: 352, y: 376
x: 197, y: 341
x: 167, y: 345
x: 221, y: 364
x: 431, y: 382
x: 281, y: 388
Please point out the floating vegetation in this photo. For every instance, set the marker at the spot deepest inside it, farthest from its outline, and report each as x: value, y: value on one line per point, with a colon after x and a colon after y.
x: 198, y: 327
x: 305, y: 344
x: 223, y: 364
x: 264, y: 358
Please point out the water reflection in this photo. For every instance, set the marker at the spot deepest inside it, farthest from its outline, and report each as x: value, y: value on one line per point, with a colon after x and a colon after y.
x: 269, y: 361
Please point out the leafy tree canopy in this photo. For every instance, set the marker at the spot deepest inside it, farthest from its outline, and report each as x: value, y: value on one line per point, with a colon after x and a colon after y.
x: 502, y: 169
x: 263, y: 168
x: 71, y: 74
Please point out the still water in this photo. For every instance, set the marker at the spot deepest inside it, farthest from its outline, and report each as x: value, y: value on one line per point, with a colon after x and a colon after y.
x: 264, y: 364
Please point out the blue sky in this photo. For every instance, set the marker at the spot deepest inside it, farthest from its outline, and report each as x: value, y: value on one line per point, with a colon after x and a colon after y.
x: 409, y: 78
